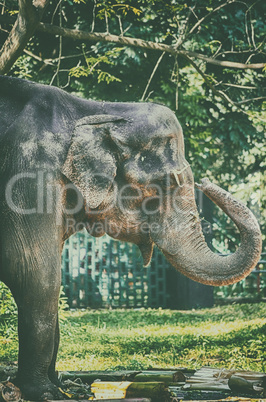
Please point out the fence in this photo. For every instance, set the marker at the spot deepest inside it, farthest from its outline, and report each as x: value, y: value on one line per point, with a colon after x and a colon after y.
x: 102, y: 272
x: 252, y: 288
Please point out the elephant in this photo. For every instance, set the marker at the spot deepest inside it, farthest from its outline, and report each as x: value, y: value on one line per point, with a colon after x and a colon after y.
x: 115, y: 168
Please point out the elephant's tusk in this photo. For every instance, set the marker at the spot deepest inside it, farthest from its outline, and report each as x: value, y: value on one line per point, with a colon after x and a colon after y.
x: 178, y: 172
x: 177, y: 178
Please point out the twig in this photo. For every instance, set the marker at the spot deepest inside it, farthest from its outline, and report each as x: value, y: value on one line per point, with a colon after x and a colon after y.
x: 70, y: 56
x: 152, y: 75
x: 251, y: 100
x: 209, y: 14
x: 251, y: 25
x: 120, y: 25
x: 246, y: 27
x: 3, y: 7
x: 55, y: 11
x: 128, y: 28
x: 68, y: 80
x: 60, y: 49
x: 175, y: 79
x: 184, y: 29
x: 149, y: 94
x: 93, y: 16
x: 34, y: 56
x: 217, y: 51
x: 250, y: 57
x: 106, y: 22
x: 240, y: 52
x: 4, y: 30
x: 177, y: 82
x: 236, y: 86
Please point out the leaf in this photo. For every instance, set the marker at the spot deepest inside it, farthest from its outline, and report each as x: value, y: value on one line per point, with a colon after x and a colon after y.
x: 103, y: 76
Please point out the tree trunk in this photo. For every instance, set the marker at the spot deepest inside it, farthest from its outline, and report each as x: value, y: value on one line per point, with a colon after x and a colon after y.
x: 30, y: 14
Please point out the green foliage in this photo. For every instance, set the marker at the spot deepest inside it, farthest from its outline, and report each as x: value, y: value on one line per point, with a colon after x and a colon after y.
x: 93, y: 62
x: 109, y: 9
x: 8, y: 311
x: 9, y: 314
x: 8, y: 325
x: 62, y: 306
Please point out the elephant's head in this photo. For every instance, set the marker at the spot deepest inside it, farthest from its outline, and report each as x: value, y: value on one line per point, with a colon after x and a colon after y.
x: 130, y: 167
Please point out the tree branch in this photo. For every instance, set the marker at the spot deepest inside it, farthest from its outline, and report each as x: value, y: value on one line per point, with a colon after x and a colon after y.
x: 140, y: 43
x: 27, y: 21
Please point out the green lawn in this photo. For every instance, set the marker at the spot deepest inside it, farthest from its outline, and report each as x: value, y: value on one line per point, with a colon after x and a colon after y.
x: 228, y: 336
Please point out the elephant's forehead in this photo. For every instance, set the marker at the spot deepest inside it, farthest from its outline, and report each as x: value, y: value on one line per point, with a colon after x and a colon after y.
x: 150, y: 123
x: 156, y: 118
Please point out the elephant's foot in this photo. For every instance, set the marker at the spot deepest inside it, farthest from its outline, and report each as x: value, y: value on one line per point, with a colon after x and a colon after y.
x: 39, y: 391
x: 53, y: 377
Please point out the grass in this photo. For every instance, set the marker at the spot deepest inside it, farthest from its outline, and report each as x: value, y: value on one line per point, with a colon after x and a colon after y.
x: 227, y: 336
x: 231, y: 336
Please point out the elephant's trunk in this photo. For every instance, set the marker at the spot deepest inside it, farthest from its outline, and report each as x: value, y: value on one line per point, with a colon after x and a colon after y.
x: 182, y: 241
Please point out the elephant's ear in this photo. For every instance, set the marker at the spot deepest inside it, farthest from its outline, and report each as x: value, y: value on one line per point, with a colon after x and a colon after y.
x: 90, y: 164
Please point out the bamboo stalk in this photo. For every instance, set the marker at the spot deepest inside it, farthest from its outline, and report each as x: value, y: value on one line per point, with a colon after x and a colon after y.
x: 90, y: 376
x: 209, y: 372
x: 105, y: 400
x: 184, y: 370
x: 139, y: 376
x: 210, y: 379
x: 207, y: 386
x: 170, y: 377
x: 238, y: 399
x: 224, y: 372
x: 154, y: 390
x: 199, y: 380
x: 239, y: 384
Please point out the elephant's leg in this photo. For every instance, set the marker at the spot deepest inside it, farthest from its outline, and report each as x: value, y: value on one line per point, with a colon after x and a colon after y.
x: 32, y: 261
x: 37, y: 326
x: 52, y: 372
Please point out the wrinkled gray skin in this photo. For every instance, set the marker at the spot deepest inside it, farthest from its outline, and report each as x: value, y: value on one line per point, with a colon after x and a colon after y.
x: 99, y: 148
